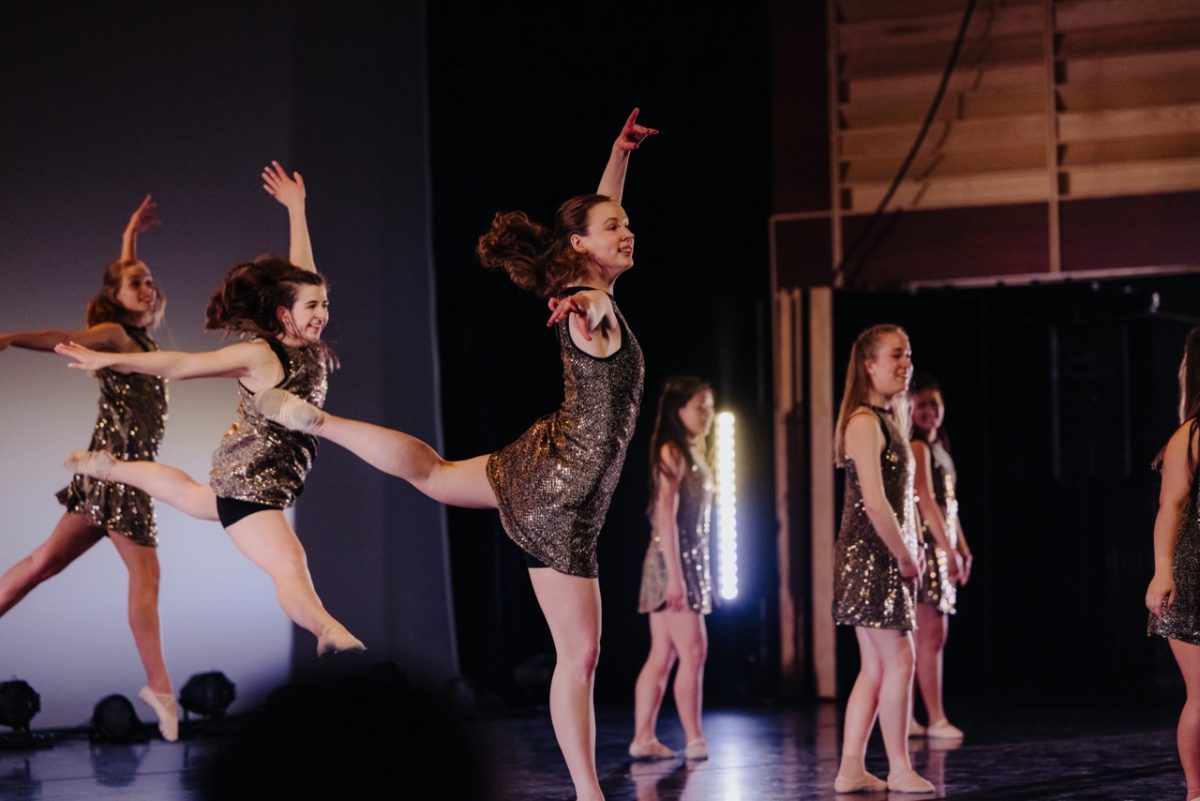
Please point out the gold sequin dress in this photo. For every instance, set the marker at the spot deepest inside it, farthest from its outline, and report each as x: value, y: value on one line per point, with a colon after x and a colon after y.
x: 936, y: 587
x: 868, y: 589
x: 133, y: 409
x: 1182, y: 620
x: 261, y: 461
x: 554, y: 483
x: 692, y: 521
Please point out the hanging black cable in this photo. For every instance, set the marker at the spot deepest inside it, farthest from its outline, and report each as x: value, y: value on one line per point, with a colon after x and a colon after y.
x: 849, y: 268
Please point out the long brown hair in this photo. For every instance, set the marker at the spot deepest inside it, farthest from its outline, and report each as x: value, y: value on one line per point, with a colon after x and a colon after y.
x: 536, y: 258
x: 247, y: 300
x: 857, y: 391
x: 105, y: 308
x: 1189, y: 397
x: 669, y: 429
x: 924, y: 382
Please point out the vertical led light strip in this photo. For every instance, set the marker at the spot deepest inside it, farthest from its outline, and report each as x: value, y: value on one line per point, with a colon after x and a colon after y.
x: 726, y: 492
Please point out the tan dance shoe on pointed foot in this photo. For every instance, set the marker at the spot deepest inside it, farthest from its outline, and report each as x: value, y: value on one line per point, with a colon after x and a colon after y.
x: 166, y: 709
x: 650, y: 749
x: 282, y: 407
x: 337, y: 640
x: 865, y: 783
x: 97, y: 464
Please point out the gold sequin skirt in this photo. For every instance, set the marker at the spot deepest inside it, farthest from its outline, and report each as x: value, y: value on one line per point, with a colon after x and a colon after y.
x: 117, y: 507
x: 868, y: 589
x: 936, y: 587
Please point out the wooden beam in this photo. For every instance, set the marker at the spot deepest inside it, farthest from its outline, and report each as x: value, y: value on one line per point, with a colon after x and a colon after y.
x: 822, y: 412
x: 1133, y: 178
x: 962, y: 105
x: 1167, y: 90
x: 921, y: 31
x: 864, y: 10
x: 1102, y: 68
x: 1147, y: 38
x: 1112, y: 151
x: 1130, y: 123
x: 947, y: 165
x: 789, y: 365
x: 967, y: 135
x: 1028, y: 76
x: 931, y: 59
x: 1074, y: 15
x: 981, y: 189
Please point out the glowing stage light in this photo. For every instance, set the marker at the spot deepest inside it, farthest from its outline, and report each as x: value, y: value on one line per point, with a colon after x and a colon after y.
x: 726, y: 503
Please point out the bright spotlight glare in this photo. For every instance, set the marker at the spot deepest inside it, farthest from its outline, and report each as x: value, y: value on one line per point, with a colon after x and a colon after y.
x: 726, y: 500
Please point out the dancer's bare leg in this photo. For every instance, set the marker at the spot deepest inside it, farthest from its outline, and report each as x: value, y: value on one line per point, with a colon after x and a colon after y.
x: 649, y: 690
x: 168, y: 484
x: 267, y: 540
x: 142, y: 563
x: 72, y: 537
x: 932, y: 628
x: 571, y: 605
x: 894, y: 652
x: 861, y: 711
x: 1187, y: 735
x: 690, y: 638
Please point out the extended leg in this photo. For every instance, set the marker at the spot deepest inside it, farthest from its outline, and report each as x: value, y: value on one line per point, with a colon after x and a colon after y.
x: 1187, y: 735
x: 72, y: 536
x: 690, y: 638
x: 168, y: 484
x: 649, y: 690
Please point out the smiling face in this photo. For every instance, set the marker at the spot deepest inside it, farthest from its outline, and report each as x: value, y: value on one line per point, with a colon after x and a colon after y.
x: 608, y: 242
x: 928, y: 411
x: 697, y: 414
x: 309, y: 314
x: 138, y: 293
x: 891, y: 367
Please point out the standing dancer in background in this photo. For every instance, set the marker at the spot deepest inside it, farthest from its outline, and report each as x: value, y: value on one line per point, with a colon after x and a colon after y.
x: 552, y: 486
x: 1173, y: 596
x: 947, y: 557
x: 676, y: 587
x: 877, y: 560
x: 130, y: 425
x: 259, y: 468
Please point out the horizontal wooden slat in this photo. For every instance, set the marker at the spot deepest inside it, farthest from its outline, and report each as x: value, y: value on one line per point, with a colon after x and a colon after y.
x: 1026, y: 76
x: 1132, y: 178
x: 912, y: 109
x: 1019, y: 49
x: 974, y: 190
x: 864, y: 10
x: 1071, y: 15
x: 1180, y: 146
x: 1129, y: 123
x: 914, y: 31
x: 942, y: 165
x: 1151, y: 37
x: 1102, y: 68
x: 969, y: 135
x: 1168, y: 90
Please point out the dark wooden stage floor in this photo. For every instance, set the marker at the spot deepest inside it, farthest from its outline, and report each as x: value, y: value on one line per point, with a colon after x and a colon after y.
x: 756, y: 755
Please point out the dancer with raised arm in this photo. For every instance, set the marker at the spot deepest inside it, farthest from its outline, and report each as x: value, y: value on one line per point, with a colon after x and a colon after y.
x: 259, y: 468
x: 677, y: 589
x: 877, y: 560
x: 130, y: 425
x: 1173, y: 596
x: 552, y: 486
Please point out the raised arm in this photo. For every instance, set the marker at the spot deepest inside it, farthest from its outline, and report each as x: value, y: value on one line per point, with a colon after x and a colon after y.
x: 666, y: 524
x: 248, y: 360
x: 612, y: 182
x: 1172, y: 501
x: 931, y: 513
x: 141, y: 221
x: 864, y: 443
x: 104, y: 336
x: 291, y: 193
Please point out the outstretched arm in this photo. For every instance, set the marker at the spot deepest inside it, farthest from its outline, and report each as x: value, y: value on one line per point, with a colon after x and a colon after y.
x: 104, y: 336
x: 612, y: 183
x: 142, y: 220
x: 291, y: 193
x: 252, y: 360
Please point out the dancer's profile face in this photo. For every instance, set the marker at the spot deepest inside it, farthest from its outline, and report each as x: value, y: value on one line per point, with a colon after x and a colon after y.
x: 927, y: 410
x: 309, y: 314
x: 891, y: 367
x: 697, y: 414
x: 138, y: 293
x: 609, y: 240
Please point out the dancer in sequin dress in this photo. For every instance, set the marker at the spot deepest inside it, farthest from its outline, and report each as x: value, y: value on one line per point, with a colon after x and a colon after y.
x: 877, y: 560
x: 677, y: 588
x: 259, y: 468
x: 552, y: 486
x: 1173, y: 596
x: 947, y: 558
x: 130, y: 424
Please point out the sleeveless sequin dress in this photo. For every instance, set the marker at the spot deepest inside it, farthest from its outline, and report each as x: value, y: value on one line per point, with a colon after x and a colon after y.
x: 1182, y: 620
x: 133, y: 409
x: 868, y: 589
x: 263, y: 462
x: 936, y: 587
x: 692, y: 520
x: 554, y: 483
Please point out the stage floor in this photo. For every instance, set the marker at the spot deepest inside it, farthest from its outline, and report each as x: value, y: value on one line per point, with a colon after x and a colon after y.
x: 756, y: 755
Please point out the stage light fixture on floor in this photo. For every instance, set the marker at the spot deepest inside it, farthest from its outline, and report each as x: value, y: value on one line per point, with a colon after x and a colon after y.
x: 19, y: 703
x: 114, y: 720
x: 208, y: 694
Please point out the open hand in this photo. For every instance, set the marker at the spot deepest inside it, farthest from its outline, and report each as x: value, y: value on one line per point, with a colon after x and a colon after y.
x: 144, y: 218
x: 572, y: 304
x: 632, y: 135
x: 83, y: 358
x: 288, y: 191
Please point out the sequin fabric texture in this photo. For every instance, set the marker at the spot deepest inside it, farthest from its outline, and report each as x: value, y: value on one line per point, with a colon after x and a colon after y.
x: 868, y: 589
x: 133, y: 410
x: 261, y: 461
x: 554, y: 483
x: 936, y: 587
x: 692, y: 521
x: 1182, y: 619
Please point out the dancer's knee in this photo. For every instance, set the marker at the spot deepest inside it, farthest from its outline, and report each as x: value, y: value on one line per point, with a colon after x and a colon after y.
x: 694, y: 653
x: 580, y: 659
x: 45, y: 565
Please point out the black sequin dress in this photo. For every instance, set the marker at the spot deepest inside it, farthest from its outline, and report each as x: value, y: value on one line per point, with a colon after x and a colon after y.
x: 263, y: 462
x: 936, y: 587
x: 868, y: 589
x: 133, y: 410
x: 554, y: 483
x: 1182, y: 620
x: 692, y: 520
